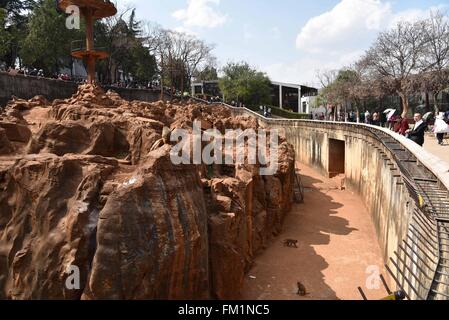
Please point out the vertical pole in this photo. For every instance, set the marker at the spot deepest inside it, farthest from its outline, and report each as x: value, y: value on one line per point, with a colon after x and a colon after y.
x: 281, y: 99
x: 90, y: 45
x: 162, y: 76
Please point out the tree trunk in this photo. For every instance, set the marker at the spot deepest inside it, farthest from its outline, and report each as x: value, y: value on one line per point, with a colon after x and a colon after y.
x: 435, y: 103
x: 71, y: 67
x: 162, y: 76
x: 405, y: 105
x: 182, y: 82
x: 427, y: 102
x: 346, y: 111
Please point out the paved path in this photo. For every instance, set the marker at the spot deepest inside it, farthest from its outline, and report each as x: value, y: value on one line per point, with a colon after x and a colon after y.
x: 432, y: 146
x: 337, y: 243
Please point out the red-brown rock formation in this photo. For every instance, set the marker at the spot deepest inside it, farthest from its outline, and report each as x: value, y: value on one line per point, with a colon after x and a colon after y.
x: 88, y: 182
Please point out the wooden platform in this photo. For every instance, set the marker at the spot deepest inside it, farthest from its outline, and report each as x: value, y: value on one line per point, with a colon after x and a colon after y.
x: 102, y: 8
x: 83, y: 54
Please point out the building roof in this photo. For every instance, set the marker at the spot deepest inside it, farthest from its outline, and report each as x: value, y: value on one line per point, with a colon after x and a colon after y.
x: 284, y: 84
x: 204, y: 82
x: 290, y: 85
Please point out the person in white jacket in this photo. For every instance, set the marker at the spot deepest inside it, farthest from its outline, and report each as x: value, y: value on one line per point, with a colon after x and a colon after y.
x: 440, y: 128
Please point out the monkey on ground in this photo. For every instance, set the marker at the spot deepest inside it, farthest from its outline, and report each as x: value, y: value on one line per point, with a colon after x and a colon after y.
x: 302, y: 291
x: 290, y: 243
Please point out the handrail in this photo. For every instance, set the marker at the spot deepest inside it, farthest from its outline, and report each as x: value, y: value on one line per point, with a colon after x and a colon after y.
x: 438, y: 167
x: 434, y: 166
x: 80, y: 45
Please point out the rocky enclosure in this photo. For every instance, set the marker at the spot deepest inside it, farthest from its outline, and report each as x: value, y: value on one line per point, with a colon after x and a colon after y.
x: 88, y: 182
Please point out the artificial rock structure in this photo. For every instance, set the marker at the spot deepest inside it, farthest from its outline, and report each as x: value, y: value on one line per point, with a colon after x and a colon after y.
x: 87, y: 182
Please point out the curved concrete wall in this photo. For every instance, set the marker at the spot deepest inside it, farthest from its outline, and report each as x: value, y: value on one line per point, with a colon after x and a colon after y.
x: 368, y: 171
x: 372, y: 171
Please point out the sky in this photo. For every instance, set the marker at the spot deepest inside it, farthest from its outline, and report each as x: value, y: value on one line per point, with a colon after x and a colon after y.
x: 290, y: 40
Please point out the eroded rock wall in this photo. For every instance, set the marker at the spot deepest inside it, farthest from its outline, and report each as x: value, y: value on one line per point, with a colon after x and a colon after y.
x: 88, y: 182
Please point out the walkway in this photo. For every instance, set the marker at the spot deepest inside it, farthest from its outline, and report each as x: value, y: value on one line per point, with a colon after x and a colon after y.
x: 337, y: 243
x: 432, y: 146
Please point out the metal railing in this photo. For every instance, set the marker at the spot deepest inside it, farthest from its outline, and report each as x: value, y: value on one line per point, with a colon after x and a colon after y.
x: 80, y: 45
x: 421, y: 261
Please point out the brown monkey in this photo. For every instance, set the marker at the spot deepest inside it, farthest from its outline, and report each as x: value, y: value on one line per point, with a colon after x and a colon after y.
x: 302, y: 291
x: 291, y: 243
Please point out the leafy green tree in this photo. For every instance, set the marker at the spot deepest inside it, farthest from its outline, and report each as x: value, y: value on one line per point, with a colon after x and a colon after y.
x: 120, y: 36
x: 13, y: 20
x: 134, y: 26
x: 48, y: 43
x: 144, y: 66
x: 244, y: 84
x: 15, y: 9
x: 5, y: 37
x: 209, y: 73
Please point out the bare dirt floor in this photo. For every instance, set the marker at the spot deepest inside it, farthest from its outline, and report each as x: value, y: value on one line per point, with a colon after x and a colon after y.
x: 337, y: 249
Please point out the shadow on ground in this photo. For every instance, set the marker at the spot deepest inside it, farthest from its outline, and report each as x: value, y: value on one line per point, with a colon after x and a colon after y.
x: 278, y: 269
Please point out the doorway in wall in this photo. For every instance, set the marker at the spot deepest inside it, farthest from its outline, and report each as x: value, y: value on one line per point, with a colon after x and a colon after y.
x: 337, y: 157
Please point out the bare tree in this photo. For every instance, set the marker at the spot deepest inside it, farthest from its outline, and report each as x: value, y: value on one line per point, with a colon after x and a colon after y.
x: 395, y: 57
x: 158, y: 42
x: 328, y: 93
x: 326, y: 77
x: 178, y: 54
x: 435, y: 58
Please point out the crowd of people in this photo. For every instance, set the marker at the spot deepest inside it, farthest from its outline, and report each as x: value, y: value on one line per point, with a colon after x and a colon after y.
x: 318, y: 116
x: 265, y: 111
x: 130, y: 84
x: 238, y: 104
x: 34, y: 72
x: 417, y: 134
x: 414, y: 130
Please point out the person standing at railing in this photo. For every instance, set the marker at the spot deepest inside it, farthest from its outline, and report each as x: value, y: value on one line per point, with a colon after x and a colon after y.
x: 367, y: 117
x: 419, y: 130
x: 376, y: 119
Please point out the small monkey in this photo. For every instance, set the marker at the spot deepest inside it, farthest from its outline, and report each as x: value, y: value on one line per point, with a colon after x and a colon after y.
x: 302, y: 291
x: 291, y: 243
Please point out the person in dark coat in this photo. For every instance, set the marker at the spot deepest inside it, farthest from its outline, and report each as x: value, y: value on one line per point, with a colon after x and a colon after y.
x: 419, y: 130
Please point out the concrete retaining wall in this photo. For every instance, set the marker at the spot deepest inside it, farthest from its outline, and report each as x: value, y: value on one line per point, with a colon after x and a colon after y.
x: 368, y: 172
x: 371, y: 172
x: 28, y: 87
x: 367, y: 168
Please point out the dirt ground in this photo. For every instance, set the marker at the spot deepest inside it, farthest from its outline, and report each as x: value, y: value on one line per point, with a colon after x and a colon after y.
x: 337, y: 244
